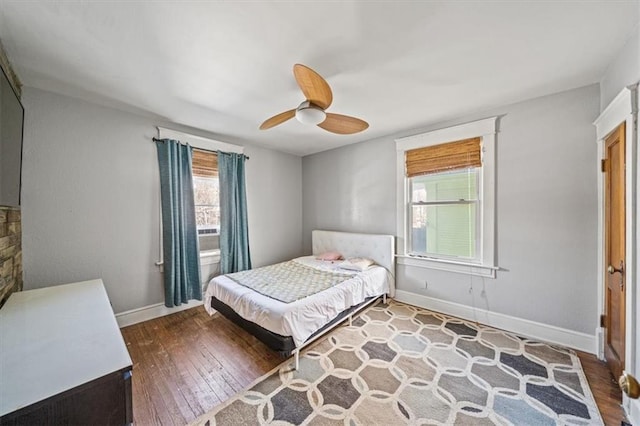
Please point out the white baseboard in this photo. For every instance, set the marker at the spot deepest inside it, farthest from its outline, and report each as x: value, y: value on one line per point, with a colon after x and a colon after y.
x: 539, y: 331
x: 600, y: 343
x: 146, y: 313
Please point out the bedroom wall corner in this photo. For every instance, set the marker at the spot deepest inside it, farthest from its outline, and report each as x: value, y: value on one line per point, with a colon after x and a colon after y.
x: 274, y: 199
x: 546, y: 210
x: 350, y: 189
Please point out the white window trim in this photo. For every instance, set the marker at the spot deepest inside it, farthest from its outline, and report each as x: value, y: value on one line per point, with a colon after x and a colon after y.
x: 486, y: 130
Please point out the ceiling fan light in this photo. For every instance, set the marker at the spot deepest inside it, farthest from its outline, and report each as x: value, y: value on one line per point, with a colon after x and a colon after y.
x: 310, y: 115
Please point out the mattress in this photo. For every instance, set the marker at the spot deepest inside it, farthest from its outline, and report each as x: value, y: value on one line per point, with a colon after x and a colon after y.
x: 302, y: 318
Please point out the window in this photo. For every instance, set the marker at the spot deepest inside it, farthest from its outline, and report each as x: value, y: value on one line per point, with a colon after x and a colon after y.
x: 208, y: 205
x: 443, y: 188
x: 445, y: 215
x: 204, y: 165
x: 446, y: 199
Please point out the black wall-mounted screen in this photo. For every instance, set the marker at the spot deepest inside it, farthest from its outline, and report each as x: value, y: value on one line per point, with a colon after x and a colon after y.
x: 11, y: 125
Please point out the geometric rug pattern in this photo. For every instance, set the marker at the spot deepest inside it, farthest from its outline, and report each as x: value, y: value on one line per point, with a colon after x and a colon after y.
x: 399, y: 364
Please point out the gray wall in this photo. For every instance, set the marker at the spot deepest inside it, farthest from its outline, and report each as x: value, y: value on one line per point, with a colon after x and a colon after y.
x: 91, y: 199
x: 350, y: 189
x: 623, y: 70
x: 546, y: 210
x: 274, y: 198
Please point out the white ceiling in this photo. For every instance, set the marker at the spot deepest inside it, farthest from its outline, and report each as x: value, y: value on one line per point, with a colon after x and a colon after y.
x: 225, y: 67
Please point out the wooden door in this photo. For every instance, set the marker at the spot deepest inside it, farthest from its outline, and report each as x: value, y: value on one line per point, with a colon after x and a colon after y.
x: 615, y: 291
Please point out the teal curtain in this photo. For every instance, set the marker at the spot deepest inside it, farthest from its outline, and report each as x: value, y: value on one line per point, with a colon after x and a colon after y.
x: 179, y: 234
x: 234, y: 231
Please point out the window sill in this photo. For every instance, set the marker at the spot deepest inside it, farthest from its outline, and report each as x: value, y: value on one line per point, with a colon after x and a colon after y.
x: 448, y: 265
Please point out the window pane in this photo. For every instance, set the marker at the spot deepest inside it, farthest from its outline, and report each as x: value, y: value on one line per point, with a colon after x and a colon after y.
x: 447, y: 186
x: 205, y: 191
x: 206, y: 202
x: 207, y: 217
x: 447, y: 230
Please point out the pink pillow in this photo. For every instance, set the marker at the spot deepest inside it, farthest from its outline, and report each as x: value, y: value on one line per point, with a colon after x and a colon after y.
x: 330, y: 255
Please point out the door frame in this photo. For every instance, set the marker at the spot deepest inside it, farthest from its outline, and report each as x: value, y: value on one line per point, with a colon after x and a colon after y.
x: 624, y: 108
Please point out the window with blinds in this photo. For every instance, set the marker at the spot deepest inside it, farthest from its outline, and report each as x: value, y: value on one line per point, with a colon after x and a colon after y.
x: 444, y: 213
x: 204, y: 166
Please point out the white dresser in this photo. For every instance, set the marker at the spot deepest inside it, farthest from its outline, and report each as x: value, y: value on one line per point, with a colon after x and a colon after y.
x: 62, y: 358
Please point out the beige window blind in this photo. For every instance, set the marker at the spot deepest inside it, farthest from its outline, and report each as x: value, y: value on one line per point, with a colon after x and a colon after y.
x: 204, y: 163
x: 447, y: 156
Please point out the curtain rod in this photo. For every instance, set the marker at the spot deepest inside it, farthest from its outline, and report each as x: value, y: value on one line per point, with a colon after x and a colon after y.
x: 154, y: 139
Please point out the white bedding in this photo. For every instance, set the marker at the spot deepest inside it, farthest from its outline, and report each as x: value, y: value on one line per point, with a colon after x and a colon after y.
x: 302, y: 318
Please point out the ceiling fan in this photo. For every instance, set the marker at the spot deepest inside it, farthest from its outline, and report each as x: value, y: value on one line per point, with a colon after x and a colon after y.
x: 312, y: 110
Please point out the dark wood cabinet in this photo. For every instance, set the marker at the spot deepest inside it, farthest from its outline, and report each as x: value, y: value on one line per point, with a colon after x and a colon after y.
x: 63, y: 360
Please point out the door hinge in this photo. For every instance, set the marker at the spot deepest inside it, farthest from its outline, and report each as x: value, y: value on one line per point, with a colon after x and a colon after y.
x: 603, y: 165
x: 602, y: 320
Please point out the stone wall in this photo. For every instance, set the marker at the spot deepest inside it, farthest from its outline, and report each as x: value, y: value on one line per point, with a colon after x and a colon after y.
x: 10, y: 252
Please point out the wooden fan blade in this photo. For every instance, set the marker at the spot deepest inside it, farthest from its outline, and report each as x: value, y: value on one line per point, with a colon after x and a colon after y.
x: 278, y: 119
x: 343, y: 124
x: 314, y: 87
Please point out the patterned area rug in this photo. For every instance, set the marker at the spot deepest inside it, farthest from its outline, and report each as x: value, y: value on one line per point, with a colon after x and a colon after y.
x: 398, y: 364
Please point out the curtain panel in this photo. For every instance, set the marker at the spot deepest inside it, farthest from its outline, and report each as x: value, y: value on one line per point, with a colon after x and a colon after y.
x: 234, y: 230
x: 179, y: 234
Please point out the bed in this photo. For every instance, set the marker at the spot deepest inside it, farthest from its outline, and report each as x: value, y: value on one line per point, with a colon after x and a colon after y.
x: 286, y: 327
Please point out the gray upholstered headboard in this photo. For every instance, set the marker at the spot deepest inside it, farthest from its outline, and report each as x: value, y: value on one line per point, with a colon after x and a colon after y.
x: 380, y: 248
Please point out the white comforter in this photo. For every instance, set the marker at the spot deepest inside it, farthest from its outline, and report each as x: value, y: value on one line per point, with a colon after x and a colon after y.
x: 302, y: 318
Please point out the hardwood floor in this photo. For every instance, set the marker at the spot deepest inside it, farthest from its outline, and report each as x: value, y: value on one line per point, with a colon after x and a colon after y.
x: 604, y: 388
x: 186, y: 363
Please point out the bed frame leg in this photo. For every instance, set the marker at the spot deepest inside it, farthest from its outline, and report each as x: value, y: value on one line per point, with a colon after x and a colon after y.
x: 384, y: 298
x: 297, y: 358
x: 350, y: 320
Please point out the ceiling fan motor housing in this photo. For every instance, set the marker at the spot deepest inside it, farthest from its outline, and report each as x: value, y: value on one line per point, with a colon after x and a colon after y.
x: 308, y: 113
